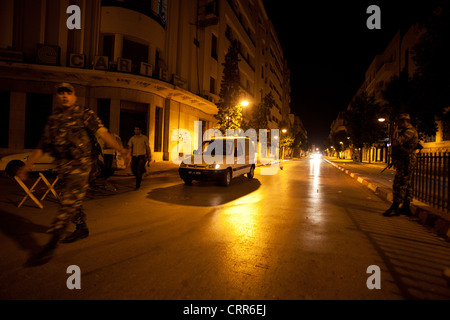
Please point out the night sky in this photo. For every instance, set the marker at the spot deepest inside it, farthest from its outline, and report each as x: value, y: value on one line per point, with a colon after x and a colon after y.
x: 328, y: 48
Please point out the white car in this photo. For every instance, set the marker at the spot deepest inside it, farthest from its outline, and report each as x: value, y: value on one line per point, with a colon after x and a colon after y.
x: 222, y: 159
x: 9, y: 164
x: 108, y: 161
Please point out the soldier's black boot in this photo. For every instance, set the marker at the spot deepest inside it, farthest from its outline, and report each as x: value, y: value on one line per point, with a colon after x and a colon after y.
x: 406, y: 209
x: 393, y: 210
x: 44, y: 256
x: 81, y: 232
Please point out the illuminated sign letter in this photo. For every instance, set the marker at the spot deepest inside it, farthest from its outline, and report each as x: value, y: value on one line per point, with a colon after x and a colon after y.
x: 101, y: 62
x: 123, y: 65
x: 76, y: 60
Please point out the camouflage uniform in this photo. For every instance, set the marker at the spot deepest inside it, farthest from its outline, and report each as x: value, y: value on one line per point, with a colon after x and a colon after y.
x: 404, y: 162
x: 67, y: 137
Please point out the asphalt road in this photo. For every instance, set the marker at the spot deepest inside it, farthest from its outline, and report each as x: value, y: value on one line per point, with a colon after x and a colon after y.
x: 307, y: 232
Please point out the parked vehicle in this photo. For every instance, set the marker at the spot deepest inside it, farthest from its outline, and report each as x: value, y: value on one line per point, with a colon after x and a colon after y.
x: 222, y: 159
x: 112, y: 160
x: 108, y: 161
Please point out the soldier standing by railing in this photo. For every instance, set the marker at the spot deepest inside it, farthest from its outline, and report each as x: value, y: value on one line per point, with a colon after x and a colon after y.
x: 404, y: 160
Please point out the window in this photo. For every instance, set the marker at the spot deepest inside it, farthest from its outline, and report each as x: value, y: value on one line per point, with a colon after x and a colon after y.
x: 38, y: 108
x: 135, y: 51
x: 108, y: 47
x: 4, y: 118
x: 103, y: 110
x: 214, y: 46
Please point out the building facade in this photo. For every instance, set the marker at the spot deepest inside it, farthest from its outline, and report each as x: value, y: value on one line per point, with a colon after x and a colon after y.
x: 154, y: 63
x: 396, y: 58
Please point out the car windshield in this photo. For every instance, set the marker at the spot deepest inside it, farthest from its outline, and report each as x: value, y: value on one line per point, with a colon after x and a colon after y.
x: 218, y: 147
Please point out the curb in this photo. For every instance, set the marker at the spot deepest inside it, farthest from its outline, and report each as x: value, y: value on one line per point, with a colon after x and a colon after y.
x: 423, y: 213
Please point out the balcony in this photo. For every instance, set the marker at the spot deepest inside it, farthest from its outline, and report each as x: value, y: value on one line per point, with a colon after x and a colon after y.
x: 143, y: 7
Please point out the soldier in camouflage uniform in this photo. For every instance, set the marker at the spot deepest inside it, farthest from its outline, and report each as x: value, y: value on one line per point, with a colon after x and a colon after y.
x: 68, y: 137
x: 404, y: 159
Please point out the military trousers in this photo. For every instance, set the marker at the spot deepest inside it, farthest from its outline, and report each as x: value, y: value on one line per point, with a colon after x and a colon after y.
x: 74, y: 181
x: 402, y: 187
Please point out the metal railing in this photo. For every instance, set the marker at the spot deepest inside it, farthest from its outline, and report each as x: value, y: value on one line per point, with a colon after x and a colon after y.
x: 431, y: 180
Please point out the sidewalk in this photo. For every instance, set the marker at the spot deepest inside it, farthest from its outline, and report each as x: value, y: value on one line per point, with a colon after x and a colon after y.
x: 369, y: 174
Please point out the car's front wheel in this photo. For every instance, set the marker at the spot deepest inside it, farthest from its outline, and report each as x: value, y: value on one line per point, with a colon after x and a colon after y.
x: 251, y: 173
x: 226, y: 178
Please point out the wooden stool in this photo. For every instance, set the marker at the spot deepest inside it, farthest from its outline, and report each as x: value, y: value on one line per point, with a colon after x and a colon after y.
x: 29, y: 192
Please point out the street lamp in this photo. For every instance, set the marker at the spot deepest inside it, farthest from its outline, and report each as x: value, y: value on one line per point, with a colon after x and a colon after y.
x: 382, y: 120
x: 282, y: 154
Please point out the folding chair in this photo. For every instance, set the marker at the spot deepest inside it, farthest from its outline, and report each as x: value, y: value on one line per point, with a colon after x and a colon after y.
x: 29, y: 192
x: 51, y: 187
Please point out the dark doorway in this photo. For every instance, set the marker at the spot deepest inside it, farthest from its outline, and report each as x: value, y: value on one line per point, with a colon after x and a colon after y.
x: 38, y: 108
x: 132, y: 114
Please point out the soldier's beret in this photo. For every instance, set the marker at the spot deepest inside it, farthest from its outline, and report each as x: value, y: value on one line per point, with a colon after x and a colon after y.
x: 65, y: 85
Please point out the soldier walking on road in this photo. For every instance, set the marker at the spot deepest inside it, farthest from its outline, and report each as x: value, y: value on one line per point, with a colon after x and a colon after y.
x: 67, y: 136
x: 140, y: 151
x: 404, y: 159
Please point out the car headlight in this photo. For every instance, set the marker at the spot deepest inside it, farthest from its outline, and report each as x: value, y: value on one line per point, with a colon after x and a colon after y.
x: 182, y: 165
x: 213, y: 166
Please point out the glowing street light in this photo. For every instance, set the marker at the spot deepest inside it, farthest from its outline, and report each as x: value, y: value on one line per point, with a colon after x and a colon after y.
x: 244, y: 103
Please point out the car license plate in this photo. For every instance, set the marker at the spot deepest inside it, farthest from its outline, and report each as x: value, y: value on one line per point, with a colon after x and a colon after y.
x: 194, y: 172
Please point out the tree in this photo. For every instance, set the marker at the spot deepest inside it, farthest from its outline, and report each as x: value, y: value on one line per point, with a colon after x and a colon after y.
x: 229, y: 114
x: 261, y: 113
x: 405, y: 95
x: 300, y: 141
x: 287, y: 142
x: 429, y: 93
x: 362, y: 121
x: 431, y: 57
x: 425, y: 95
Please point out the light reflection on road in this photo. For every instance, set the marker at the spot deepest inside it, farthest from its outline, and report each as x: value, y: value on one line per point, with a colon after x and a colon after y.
x: 248, y: 228
x: 315, y: 194
x: 243, y: 239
